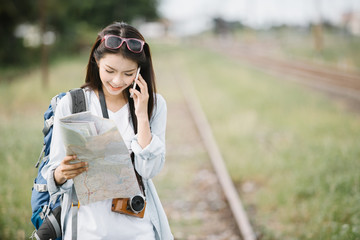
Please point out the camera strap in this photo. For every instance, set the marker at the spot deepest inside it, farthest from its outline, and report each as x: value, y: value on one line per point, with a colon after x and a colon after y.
x: 103, y: 103
x: 132, y: 155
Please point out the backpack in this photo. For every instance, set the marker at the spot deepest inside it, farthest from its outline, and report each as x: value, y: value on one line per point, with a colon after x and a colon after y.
x: 45, y: 210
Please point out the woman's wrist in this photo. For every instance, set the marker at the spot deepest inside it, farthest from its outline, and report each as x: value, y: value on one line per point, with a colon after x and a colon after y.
x: 58, y: 178
x: 144, y: 133
x: 142, y: 118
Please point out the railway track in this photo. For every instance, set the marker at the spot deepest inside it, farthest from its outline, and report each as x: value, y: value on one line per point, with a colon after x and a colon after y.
x: 201, y: 201
x: 237, y: 209
x: 344, y: 84
x: 337, y: 82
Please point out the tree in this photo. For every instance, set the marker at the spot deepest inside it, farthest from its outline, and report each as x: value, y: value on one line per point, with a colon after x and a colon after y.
x: 67, y: 18
x: 12, y: 13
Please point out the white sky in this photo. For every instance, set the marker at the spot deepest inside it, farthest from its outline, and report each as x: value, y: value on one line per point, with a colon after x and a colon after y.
x: 194, y: 15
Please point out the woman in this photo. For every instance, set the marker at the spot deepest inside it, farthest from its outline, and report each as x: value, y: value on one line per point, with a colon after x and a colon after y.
x: 119, y: 51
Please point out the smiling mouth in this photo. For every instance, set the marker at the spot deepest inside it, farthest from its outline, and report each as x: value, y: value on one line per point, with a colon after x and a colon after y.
x: 115, y: 88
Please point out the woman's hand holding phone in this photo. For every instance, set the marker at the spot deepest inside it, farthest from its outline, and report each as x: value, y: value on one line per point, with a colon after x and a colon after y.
x: 136, y: 78
x: 141, y: 97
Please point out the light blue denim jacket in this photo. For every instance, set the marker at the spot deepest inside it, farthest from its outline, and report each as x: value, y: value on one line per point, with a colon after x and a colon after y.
x: 148, y: 162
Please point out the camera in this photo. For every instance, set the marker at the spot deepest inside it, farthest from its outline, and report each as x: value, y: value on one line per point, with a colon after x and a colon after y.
x: 136, y: 203
x: 134, y: 206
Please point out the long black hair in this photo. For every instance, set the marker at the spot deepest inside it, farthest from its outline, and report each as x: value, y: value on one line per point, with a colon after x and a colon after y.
x: 143, y: 59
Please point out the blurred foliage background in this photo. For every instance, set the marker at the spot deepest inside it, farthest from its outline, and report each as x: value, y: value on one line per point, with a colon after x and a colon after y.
x: 69, y: 23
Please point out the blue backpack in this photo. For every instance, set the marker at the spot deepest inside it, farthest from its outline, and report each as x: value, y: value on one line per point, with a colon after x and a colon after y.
x: 46, y: 211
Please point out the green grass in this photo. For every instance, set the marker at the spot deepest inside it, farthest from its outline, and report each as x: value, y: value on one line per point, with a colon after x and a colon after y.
x: 298, y: 147
x: 22, y: 105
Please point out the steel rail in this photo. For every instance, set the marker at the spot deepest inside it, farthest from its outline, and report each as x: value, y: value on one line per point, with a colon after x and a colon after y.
x: 305, y: 78
x: 217, y: 160
x: 335, y: 81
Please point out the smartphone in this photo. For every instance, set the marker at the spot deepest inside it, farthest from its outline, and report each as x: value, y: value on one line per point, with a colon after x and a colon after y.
x: 136, y: 78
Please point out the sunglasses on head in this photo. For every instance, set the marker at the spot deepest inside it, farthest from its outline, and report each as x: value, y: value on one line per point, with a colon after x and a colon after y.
x: 115, y: 42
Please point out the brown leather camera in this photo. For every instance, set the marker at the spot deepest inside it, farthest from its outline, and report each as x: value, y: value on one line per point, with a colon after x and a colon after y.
x: 134, y: 206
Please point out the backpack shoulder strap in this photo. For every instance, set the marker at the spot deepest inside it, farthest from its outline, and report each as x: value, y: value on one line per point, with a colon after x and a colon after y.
x: 78, y: 100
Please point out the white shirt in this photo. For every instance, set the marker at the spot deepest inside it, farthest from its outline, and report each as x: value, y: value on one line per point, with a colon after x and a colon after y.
x: 96, y: 220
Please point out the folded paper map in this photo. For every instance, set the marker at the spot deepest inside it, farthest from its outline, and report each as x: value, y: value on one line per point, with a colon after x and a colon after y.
x: 97, y: 141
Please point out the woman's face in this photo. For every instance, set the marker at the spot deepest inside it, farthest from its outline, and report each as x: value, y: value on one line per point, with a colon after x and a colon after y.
x: 116, y: 73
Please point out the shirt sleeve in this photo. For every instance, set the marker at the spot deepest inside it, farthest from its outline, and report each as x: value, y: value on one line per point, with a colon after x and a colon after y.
x: 57, y: 150
x: 150, y: 160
